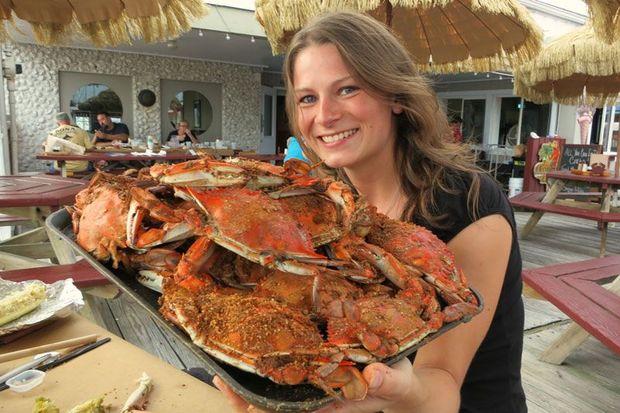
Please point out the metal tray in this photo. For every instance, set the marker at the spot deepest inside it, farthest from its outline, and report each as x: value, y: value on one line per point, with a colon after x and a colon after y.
x: 257, y: 390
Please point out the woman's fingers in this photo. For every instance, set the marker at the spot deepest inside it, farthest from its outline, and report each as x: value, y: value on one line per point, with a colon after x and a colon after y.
x: 233, y: 398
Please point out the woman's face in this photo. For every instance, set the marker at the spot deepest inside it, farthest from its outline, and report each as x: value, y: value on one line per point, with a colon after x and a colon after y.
x: 339, y: 120
x: 182, y: 127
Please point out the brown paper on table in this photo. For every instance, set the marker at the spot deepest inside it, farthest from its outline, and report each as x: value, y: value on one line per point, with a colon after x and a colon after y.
x: 112, y: 369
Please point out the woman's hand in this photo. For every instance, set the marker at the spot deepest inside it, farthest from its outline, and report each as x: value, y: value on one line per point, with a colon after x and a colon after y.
x: 240, y: 405
x: 388, y: 387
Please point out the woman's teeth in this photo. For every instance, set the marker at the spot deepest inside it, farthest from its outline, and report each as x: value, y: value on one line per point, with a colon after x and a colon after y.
x: 339, y: 136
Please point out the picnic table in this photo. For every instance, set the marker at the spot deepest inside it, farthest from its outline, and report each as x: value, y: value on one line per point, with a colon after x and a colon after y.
x: 128, y: 159
x: 111, y: 370
x: 577, y: 289
x: 597, y: 208
x: 32, y: 198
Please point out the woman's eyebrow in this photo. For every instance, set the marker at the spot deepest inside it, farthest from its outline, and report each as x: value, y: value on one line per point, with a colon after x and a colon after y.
x: 335, y: 82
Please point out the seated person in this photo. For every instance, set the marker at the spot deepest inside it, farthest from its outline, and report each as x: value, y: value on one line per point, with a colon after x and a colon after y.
x: 294, y: 150
x: 108, y: 131
x: 73, y: 134
x: 184, y: 133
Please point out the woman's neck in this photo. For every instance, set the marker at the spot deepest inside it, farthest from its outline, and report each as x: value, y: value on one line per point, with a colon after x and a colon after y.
x: 379, y: 183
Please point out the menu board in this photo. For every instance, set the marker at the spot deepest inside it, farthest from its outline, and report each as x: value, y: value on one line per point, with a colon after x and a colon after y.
x: 574, y: 154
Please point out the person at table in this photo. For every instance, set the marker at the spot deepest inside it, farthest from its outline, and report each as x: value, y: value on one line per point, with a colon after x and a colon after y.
x: 73, y: 134
x: 108, y: 131
x: 183, y: 133
x: 359, y: 106
x: 456, y: 124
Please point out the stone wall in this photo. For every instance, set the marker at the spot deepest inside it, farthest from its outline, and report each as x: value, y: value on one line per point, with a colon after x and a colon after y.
x: 38, y: 100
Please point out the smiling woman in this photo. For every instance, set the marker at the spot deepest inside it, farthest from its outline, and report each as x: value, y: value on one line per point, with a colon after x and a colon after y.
x: 360, y: 107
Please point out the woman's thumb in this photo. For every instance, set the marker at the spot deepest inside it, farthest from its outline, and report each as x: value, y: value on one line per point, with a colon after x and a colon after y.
x: 388, y: 382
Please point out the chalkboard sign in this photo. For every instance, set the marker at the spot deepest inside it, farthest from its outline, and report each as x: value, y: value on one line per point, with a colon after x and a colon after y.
x: 573, y: 155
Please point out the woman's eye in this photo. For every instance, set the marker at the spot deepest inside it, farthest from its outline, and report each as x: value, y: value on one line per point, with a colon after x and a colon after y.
x: 307, y: 99
x: 347, y: 90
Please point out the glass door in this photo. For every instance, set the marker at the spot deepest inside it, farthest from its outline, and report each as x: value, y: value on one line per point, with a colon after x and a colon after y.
x: 473, y: 120
x: 268, y: 121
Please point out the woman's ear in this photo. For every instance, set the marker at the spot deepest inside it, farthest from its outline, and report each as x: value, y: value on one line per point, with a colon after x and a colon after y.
x: 397, y: 109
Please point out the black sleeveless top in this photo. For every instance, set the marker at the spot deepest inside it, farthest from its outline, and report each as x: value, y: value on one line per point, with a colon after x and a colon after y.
x: 493, y: 381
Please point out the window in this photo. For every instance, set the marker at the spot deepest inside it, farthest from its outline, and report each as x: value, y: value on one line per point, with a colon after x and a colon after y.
x: 92, y: 98
x: 192, y: 107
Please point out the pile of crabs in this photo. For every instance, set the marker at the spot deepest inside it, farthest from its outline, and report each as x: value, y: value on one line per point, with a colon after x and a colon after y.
x: 272, y: 270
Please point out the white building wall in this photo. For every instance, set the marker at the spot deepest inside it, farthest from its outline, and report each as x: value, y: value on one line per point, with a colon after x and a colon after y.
x: 38, y: 94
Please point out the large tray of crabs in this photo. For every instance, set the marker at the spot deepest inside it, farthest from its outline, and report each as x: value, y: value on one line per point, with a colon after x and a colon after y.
x: 285, y: 284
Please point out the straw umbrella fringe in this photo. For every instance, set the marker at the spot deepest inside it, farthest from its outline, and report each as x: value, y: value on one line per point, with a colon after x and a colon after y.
x: 569, y: 63
x: 605, y: 15
x: 173, y: 17
x: 282, y: 18
x: 594, y: 99
x: 577, y: 52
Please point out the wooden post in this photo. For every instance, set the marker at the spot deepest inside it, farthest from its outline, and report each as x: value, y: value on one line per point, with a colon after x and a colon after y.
x: 549, y: 198
x: 617, y: 168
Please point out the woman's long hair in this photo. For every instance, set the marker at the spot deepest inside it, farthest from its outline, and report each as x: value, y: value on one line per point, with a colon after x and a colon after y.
x: 424, y: 152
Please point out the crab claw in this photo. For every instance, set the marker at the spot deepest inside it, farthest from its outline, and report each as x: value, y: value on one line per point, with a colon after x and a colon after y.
x: 348, y: 379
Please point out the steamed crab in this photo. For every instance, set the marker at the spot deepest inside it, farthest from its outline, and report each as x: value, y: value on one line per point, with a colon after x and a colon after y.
x: 260, y: 335
x: 252, y: 287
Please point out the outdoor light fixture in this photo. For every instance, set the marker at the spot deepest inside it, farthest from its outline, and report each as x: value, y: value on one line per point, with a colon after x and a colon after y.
x: 200, y: 33
x: 488, y: 76
x: 227, y: 36
x: 252, y: 39
x: 172, y: 44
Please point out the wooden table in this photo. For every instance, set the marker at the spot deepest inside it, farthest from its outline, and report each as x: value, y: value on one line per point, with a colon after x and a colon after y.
x: 33, y: 197
x: 128, y: 160
x: 111, y: 370
x: 576, y: 289
x: 601, y: 211
x: 114, y: 159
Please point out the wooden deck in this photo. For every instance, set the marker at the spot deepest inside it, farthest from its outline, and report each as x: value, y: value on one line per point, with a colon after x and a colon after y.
x: 589, y: 380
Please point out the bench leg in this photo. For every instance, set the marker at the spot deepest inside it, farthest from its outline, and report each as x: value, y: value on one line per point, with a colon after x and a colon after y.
x: 603, y: 239
x: 561, y: 348
x: 531, y: 223
x: 572, y: 338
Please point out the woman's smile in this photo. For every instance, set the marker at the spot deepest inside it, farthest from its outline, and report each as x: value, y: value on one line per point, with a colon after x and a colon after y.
x: 338, y: 137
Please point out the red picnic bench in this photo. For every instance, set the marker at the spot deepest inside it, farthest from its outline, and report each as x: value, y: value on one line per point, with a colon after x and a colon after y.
x: 601, y: 211
x: 533, y: 200
x: 576, y: 289
x: 83, y: 274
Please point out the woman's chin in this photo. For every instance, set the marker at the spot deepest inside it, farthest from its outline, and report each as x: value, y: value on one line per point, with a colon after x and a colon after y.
x: 336, y: 162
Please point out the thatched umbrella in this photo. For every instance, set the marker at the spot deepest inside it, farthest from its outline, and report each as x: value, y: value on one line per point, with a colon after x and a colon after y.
x: 442, y: 35
x: 605, y: 15
x: 104, y: 22
x: 576, y: 68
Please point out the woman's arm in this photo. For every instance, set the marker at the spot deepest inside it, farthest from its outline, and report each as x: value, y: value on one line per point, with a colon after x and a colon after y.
x: 192, y: 137
x: 482, y: 251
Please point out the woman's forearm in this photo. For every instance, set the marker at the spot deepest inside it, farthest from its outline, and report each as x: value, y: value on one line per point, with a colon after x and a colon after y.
x: 435, y: 392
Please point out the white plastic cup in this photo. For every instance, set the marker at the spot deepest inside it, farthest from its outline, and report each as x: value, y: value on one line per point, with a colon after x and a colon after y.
x: 515, y: 186
x: 26, y: 380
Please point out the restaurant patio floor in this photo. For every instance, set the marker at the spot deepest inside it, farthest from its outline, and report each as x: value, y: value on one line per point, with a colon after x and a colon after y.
x: 588, y: 381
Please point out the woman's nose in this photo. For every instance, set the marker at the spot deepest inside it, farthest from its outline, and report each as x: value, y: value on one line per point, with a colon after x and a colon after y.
x: 329, y: 111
